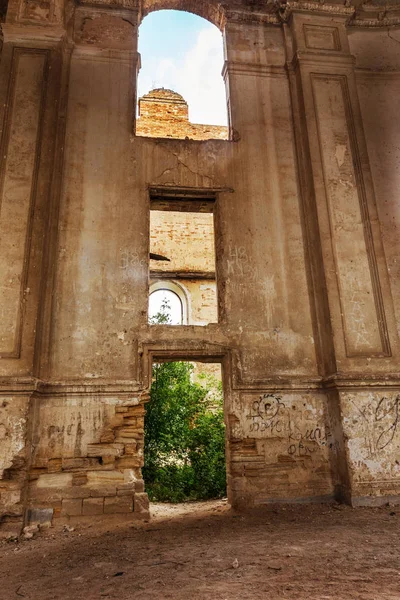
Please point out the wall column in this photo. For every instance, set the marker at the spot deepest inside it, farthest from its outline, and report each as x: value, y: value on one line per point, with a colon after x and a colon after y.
x: 32, y: 64
x: 87, y: 411
x: 351, y: 290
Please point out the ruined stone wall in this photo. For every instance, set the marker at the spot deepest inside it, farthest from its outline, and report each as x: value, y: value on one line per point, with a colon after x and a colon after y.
x: 306, y: 249
x: 165, y: 114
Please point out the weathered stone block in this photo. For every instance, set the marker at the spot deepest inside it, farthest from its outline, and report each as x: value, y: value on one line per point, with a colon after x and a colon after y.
x: 40, y: 463
x: 77, y: 491
x: 73, y: 463
x: 55, y: 480
x: 130, y: 475
x: 136, y: 411
x: 141, y: 505
x: 105, y: 449
x: 107, y: 462
x: 46, y: 495
x: 127, y: 432
x: 36, y: 473
x: 125, y: 493
x: 54, y: 465
x: 79, y: 479
x: 118, y: 504
x: 127, y: 486
x: 128, y: 439
x: 103, y: 490
x: 93, y: 506
x: 107, y: 437
x: 10, y: 497
x: 72, y: 507
x: 117, y: 421
x: 39, y: 516
x: 139, y: 485
x: 129, y: 462
x: 131, y: 449
x: 105, y: 477
x: 130, y: 421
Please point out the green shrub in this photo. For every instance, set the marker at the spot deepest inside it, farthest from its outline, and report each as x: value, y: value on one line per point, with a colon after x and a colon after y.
x: 184, y: 436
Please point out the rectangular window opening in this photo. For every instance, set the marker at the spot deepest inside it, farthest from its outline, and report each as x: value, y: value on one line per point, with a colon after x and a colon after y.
x: 183, y: 287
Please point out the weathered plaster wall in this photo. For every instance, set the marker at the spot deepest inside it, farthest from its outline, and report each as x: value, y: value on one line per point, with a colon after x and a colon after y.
x: 99, y: 222
x: 370, y: 417
x: 87, y: 454
x: 306, y: 247
x: 285, y: 439
x: 378, y: 82
x: 14, y: 458
x: 262, y: 246
x: 371, y: 426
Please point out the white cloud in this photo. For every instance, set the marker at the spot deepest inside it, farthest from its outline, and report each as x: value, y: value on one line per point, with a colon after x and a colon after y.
x: 196, y: 75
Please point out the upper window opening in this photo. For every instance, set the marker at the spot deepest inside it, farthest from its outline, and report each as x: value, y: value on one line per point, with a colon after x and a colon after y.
x: 182, y: 254
x: 180, y: 87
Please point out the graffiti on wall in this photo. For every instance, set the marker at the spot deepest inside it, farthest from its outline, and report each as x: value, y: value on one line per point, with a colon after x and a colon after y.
x: 386, y: 413
x: 376, y: 420
x: 296, y: 424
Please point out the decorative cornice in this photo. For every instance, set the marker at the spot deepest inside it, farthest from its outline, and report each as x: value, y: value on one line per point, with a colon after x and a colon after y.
x: 122, y: 4
x: 323, y: 58
x: 16, y: 386
x: 291, y: 6
x: 280, y: 11
x: 375, y: 74
x: 237, y: 68
x: 95, y: 386
x: 11, y: 386
x: 45, y: 34
x: 384, y: 20
x: 372, y: 15
x: 247, y: 16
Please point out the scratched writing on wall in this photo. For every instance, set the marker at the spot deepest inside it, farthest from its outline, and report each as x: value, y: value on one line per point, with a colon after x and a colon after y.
x: 270, y: 417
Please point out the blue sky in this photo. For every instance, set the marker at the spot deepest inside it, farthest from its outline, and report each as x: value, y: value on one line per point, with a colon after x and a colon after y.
x: 184, y: 52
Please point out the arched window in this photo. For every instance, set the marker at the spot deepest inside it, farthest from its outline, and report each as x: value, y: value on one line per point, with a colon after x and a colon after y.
x: 181, y: 93
x: 168, y: 304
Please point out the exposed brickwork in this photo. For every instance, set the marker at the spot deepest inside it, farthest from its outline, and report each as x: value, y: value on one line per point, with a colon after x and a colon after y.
x: 103, y: 481
x: 164, y: 113
x: 187, y: 239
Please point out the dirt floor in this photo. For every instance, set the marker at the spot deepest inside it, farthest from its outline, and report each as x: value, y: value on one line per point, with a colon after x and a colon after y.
x: 205, y: 551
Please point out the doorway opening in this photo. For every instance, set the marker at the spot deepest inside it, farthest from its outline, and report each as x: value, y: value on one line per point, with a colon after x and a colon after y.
x: 184, y: 449
x: 183, y: 286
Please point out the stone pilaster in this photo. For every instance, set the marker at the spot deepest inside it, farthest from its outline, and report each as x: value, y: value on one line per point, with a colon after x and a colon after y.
x: 354, y: 317
x: 31, y: 70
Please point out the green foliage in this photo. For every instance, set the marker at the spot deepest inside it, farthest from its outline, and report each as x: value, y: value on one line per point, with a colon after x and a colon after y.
x: 184, y: 444
x: 163, y: 317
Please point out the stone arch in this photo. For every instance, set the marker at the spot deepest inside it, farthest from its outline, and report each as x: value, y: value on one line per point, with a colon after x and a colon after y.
x: 212, y: 11
x: 176, y: 288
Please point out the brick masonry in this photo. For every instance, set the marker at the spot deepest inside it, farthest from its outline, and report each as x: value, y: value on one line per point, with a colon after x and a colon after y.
x: 165, y: 114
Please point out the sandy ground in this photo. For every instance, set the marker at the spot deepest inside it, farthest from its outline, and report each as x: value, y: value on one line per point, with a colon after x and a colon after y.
x: 205, y: 551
